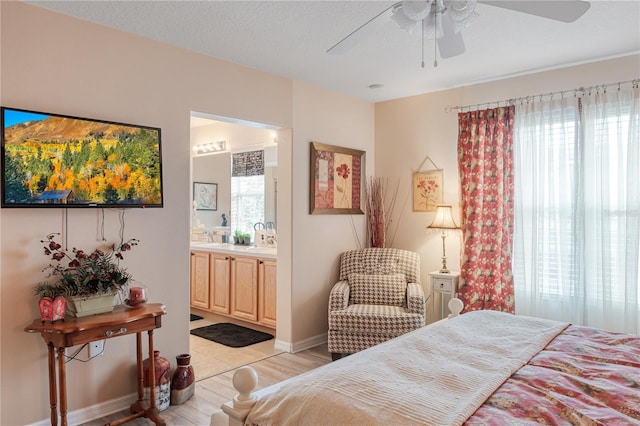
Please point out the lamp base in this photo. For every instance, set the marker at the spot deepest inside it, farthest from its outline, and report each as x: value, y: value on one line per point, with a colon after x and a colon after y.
x: 444, y: 269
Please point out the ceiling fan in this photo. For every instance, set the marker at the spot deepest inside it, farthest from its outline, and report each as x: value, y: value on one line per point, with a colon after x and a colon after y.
x: 443, y: 20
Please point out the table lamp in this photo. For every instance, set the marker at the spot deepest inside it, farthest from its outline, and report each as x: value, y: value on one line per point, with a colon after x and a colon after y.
x: 443, y: 221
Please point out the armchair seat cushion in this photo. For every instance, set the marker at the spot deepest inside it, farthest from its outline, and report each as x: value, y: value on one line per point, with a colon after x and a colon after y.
x: 378, y: 289
x: 375, y: 319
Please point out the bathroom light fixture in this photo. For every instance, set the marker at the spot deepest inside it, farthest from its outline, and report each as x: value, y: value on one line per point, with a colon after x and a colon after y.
x: 207, y: 148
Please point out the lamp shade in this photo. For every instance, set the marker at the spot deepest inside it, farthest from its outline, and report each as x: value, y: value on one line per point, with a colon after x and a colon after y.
x: 443, y: 219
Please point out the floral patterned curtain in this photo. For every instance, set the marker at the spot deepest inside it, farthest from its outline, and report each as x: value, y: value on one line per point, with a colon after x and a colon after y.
x: 485, y: 166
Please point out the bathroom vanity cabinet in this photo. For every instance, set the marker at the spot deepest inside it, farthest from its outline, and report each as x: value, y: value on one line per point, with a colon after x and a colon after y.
x: 244, y: 288
x: 200, y: 280
x: 267, y: 287
x: 240, y: 285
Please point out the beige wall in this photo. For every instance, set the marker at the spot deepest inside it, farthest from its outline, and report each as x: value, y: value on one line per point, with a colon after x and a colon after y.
x: 329, y: 118
x: 74, y: 67
x: 409, y: 129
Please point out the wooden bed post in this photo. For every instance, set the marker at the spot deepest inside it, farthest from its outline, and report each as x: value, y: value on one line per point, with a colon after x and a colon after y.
x: 245, y: 380
x: 455, y: 305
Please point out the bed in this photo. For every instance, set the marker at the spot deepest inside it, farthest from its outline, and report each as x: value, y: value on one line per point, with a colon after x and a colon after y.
x: 479, y: 368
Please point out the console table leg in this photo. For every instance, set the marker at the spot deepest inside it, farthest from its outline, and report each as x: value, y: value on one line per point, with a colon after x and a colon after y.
x: 62, y: 378
x: 152, y: 412
x: 53, y: 397
x: 139, y: 364
x: 152, y: 373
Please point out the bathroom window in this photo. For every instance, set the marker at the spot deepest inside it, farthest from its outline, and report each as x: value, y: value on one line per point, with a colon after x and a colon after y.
x: 247, y: 190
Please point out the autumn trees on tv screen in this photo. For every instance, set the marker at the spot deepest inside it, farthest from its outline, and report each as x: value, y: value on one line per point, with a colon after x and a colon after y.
x: 121, y: 168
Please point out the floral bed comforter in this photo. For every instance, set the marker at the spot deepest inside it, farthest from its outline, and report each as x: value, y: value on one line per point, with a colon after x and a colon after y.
x: 584, y: 376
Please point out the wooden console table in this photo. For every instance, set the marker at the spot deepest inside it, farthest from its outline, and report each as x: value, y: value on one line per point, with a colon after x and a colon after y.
x: 77, y: 331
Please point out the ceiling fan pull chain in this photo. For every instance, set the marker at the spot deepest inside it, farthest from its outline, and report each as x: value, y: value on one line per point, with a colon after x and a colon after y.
x: 423, y: 43
x: 435, y: 38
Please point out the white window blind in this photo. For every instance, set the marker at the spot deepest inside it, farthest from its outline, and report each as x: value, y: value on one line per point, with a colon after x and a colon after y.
x: 247, y: 190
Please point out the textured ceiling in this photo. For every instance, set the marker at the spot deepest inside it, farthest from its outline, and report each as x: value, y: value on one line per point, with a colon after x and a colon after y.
x: 290, y: 39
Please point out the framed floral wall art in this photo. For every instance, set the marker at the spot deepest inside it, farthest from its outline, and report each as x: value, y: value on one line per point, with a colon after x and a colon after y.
x: 427, y: 190
x: 337, y: 180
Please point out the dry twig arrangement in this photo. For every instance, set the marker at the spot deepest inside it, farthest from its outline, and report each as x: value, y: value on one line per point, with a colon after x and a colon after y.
x: 379, y: 215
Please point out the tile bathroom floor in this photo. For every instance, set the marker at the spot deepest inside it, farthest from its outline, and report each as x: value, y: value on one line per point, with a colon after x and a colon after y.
x: 209, y: 358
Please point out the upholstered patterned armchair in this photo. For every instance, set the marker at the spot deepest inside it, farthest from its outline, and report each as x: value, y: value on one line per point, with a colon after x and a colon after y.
x: 378, y: 296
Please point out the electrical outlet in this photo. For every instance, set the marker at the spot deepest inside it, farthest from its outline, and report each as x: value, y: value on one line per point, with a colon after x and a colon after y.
x: 96, y: 348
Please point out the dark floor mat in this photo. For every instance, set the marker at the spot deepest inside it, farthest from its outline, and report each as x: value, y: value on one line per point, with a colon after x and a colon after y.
x: 195, y: 317
x: 231, y: 335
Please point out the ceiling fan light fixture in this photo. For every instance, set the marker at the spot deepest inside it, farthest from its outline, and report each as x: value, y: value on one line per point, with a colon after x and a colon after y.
x: 403, y: 21
x: 462, y: 10
x: 432, y: 27
x: 408, y: 14
x: 416, y: 10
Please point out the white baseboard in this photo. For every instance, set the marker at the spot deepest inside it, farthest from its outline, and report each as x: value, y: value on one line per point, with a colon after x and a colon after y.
x: 97, y: 411
x: 311, y: 342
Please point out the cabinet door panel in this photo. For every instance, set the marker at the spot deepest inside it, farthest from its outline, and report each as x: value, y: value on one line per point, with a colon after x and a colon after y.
x: 244, y: 288
x: 199, y: 285
x: 220, y: 283
x: 267, y: 291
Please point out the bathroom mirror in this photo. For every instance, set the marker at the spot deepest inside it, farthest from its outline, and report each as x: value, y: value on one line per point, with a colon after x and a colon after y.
x: 216, y: 168
x: 233, y: 136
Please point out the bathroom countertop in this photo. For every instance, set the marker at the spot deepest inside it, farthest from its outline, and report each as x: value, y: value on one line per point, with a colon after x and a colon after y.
x: 240, y: 250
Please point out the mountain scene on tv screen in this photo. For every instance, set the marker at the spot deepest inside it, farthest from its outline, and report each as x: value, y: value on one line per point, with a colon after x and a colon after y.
x: 60, y: 160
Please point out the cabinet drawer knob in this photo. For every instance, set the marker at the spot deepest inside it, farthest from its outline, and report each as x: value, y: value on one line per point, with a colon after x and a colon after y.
x: 226, y: 258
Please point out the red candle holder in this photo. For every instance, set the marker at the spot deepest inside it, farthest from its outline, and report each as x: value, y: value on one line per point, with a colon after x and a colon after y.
x: 137, y: 297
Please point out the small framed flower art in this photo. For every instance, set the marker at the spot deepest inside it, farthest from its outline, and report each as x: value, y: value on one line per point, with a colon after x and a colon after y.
x: 337, y: 180
x: 427, y: 190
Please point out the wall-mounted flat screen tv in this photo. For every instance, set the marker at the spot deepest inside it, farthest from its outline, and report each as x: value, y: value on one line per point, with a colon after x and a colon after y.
x: 53, y: 160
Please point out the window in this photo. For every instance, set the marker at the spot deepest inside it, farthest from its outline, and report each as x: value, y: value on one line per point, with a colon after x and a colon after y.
x: 577, y: 225
x: 247, y: 190
x: 247, y: 202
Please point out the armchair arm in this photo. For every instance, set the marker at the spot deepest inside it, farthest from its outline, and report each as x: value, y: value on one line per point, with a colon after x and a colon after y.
x: 415, y: 299
x: 339, y: 296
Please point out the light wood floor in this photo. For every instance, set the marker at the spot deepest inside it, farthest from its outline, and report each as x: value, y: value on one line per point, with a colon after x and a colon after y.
x: 212, y: 392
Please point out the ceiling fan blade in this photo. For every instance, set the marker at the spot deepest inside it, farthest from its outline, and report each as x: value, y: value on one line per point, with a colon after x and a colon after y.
x: 558, y: 10
x: 451, y: 43
x: 364, y: 30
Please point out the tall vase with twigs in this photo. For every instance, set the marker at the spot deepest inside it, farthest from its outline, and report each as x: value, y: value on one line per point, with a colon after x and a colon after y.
x: 379, y: 215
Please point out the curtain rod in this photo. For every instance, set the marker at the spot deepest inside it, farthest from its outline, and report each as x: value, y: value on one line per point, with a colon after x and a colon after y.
x: 581, y: 90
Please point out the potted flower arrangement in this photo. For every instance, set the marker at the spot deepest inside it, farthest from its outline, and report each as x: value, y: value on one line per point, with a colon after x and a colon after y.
x: 83, y: 278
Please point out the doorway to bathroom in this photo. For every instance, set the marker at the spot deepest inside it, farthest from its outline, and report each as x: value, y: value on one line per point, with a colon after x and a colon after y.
x: 234, y: 192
